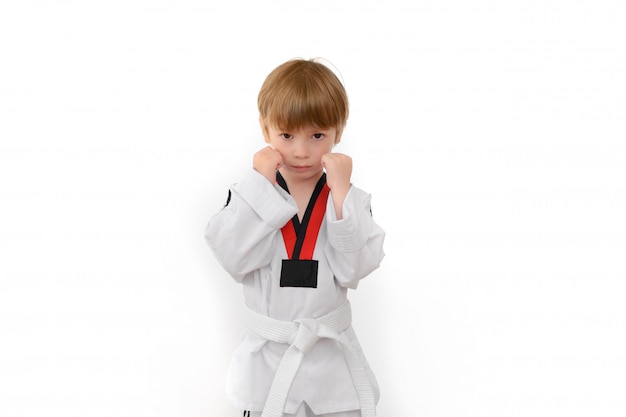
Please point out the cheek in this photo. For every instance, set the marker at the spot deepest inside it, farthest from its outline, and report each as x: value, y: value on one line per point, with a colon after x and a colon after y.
x: 323, y: 151
x: 281, y: 147
x: 275, y: 143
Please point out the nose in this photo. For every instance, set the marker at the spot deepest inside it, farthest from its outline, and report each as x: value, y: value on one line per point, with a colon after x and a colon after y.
x: 300, y: 149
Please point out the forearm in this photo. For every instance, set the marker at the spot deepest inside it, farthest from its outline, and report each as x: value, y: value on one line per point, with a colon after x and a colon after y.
x: 355, y: 242
x: 243, y: 234
x: 338, y: 198
x: 240, y: 241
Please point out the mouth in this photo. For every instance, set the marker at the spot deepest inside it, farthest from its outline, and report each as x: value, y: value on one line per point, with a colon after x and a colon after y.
x: 301, y: 167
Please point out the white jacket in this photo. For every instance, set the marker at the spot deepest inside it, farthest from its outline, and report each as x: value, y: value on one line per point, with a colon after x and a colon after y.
x: 246, y: 239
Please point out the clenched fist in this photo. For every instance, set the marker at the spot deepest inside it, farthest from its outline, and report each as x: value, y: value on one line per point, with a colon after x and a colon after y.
x: 266, y: 162
x: 338, y: 172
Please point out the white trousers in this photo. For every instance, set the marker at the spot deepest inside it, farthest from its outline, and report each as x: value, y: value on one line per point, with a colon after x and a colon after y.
x: 305, y: 411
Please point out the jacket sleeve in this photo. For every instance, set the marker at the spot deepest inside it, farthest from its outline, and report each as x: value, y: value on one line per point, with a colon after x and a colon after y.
x: 355, y: 243
x: 243, y: 235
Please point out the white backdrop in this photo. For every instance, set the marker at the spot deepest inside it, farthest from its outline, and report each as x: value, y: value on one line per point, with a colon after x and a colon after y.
x: 490, y: 133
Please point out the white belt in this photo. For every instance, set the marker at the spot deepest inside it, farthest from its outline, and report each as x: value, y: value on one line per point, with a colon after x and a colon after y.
x: 301, y: 335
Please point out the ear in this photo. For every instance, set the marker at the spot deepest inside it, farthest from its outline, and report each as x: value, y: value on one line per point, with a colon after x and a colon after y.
x: 264, y: 130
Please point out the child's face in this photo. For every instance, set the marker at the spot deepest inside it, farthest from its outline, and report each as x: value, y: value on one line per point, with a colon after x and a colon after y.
x: 302, y: 149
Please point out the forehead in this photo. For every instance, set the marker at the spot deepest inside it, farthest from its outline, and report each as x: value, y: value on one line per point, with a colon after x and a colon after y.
x: 303, y: 129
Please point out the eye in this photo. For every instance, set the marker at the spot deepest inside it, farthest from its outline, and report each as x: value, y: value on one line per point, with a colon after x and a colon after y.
x: 318, y: 136
x: 286, y: 136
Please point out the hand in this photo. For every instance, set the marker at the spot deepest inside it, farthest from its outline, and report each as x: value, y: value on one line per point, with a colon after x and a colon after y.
x: 338, y: 172
x: 266, y: 162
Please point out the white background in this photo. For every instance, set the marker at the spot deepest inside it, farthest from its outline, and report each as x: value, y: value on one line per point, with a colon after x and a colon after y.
x: 490, y: 133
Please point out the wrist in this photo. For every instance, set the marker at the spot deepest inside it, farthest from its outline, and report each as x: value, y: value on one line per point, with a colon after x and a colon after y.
x: 338, y: 195
x: 340, y: 189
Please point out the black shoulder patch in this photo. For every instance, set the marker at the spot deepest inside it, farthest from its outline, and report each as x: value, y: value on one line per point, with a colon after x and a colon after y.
x: 228, y: 199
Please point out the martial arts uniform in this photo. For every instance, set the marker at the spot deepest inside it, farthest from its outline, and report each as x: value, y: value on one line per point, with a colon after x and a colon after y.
x: 255, y: 238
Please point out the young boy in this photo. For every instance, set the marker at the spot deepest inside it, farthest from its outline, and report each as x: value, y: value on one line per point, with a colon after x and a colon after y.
x: 296, y: 234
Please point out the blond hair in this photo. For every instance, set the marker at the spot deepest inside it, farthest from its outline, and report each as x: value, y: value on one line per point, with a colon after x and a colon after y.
x: 300, y: 93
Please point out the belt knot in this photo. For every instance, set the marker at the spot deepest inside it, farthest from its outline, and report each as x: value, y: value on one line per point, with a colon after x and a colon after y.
x: 307, y: 335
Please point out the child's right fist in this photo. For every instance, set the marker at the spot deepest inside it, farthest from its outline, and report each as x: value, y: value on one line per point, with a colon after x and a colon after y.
x: 266, y: 162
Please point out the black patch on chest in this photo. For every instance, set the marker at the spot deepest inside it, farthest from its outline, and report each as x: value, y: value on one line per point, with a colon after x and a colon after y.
x: 299, y: 273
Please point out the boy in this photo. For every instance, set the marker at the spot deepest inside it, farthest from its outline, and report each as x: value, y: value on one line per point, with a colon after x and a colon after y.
x: 296, y: 234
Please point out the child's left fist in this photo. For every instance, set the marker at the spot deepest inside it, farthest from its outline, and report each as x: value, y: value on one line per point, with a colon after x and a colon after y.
x: 338, y: 171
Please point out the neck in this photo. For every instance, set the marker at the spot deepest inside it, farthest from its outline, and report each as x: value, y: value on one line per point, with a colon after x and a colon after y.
x: 301, y: 190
